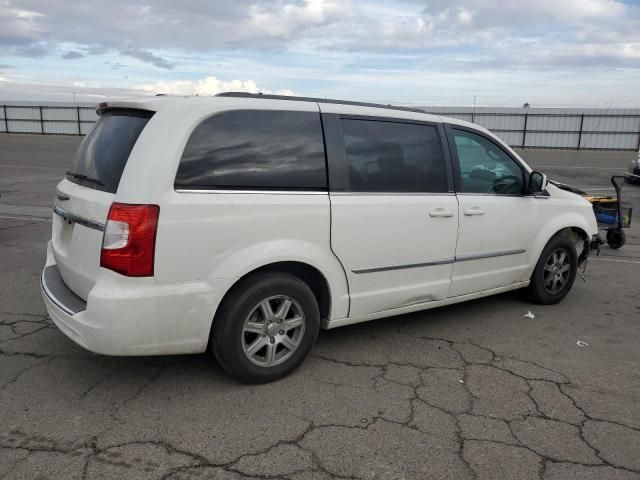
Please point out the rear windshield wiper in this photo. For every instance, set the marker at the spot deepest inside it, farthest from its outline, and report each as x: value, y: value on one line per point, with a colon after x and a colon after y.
x: 81, y: 176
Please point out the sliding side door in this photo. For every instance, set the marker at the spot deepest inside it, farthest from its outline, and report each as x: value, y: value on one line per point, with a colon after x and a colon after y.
x: 394, y: 219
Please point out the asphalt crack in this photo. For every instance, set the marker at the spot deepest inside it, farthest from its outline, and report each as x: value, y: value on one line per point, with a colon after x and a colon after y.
x: 386, y: 373
x: 497, y: 361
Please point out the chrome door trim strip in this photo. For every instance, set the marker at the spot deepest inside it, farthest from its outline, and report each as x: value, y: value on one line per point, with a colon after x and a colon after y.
x: 511, y: 195
x: 254, y: 192
x: 441, y: 261
x: 72, y: 217
x: 478, y: 256
x: 391, y: 194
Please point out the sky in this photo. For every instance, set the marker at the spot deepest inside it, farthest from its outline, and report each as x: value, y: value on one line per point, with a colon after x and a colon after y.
x: 564, y: 53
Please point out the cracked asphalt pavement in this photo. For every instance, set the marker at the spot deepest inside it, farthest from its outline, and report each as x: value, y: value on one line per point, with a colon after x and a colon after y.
x: 470, y: 391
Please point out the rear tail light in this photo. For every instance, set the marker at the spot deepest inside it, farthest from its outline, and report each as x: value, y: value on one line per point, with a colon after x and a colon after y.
x: 129, y: 241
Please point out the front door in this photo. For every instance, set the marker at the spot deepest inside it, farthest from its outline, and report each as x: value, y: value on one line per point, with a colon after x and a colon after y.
x: 497, y: 220
x: 394, y: 224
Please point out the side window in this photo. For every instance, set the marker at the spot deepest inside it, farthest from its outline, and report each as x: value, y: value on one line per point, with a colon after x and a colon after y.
x: 393, y: 157
x: 485, y: 167
x: 255, y: 149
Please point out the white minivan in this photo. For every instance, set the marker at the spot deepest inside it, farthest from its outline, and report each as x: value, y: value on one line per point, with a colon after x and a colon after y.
x: 241, y: 224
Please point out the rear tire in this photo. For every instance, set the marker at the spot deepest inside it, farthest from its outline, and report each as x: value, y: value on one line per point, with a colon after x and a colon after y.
x: 555, y: 271
x: 265, y: 327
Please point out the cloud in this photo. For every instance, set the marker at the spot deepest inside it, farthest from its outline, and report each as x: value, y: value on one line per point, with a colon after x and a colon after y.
x: 165, y: 24
x: 285, y: 19
x: 483, y: 28
x: 32, y: 50
x: 148, y: 57
x: 19, y: 91
x: 370, y: 49
x: 207, y: 86
x: 19, y: 25
x: 71, y: 55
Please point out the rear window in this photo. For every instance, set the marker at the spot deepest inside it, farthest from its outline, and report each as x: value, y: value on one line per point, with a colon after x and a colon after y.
x: 103, y: 153
x: 255, y: 149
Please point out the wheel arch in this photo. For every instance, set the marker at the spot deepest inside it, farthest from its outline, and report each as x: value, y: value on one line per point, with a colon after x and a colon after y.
x: 581, y: 239
x: 310, y: 275
x: 305, y: 272
x: 576, y: 233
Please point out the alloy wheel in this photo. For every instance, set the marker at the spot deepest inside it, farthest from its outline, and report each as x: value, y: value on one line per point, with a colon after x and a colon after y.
x: 273, y: 331
x: 557, y: 270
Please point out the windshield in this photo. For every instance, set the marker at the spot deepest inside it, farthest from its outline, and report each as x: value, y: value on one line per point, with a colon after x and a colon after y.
x: 103, y: 153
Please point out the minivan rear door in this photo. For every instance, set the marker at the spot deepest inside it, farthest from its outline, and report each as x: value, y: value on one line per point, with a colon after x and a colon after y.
x: 394, y: 220
x: 83, y: 198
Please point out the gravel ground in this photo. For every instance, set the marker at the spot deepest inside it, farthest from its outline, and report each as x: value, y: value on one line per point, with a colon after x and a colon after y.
x: 468, y: 391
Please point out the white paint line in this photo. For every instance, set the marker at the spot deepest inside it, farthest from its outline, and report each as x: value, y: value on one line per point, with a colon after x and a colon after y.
x: 28, y: 180
x: 611, y: 191
x: 616, y: 260
x: 11, y: 165
x: 35, y: 219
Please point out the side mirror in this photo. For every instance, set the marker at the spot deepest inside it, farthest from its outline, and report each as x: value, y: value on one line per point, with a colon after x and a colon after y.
x: 537, y: 182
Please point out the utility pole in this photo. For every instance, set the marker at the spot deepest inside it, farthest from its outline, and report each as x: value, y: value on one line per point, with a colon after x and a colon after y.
x: 473, y: 113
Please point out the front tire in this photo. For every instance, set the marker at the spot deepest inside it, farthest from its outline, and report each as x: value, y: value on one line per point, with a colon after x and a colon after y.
x: 555, y: 271
x: 265, y: 327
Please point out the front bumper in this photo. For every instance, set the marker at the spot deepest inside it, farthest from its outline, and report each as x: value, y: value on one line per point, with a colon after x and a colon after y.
x: 130, y: 316
x: 595, y: 244
x: 596, y: 241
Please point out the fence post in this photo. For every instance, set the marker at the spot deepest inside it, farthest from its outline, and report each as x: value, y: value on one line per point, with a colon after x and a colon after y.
x: 580, y: 133
x: 41, y: 122
x: 524, y: 132
x: 78, y: 115
x: 6, y: 120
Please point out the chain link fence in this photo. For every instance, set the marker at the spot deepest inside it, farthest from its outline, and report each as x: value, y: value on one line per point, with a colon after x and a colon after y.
x: 565, y: 128
x: 47, y: 119
x: 562, y: 128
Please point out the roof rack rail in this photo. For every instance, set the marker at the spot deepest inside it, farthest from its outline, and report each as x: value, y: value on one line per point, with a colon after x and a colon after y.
x: 317, y: 100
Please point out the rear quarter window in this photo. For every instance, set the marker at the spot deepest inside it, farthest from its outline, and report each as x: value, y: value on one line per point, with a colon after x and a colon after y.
x: 255, y: 149
x: 103, y: 154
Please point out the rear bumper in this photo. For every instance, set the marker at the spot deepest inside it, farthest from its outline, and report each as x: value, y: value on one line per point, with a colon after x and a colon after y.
x: 55, y: 290
x: 131, y: 316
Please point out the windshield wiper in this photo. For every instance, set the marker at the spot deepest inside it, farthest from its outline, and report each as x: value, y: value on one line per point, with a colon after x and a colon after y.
x: 81, y: 176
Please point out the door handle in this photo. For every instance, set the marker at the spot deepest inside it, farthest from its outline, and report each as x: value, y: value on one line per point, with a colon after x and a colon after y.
x: 440, y: 212
x: 474, y: 211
